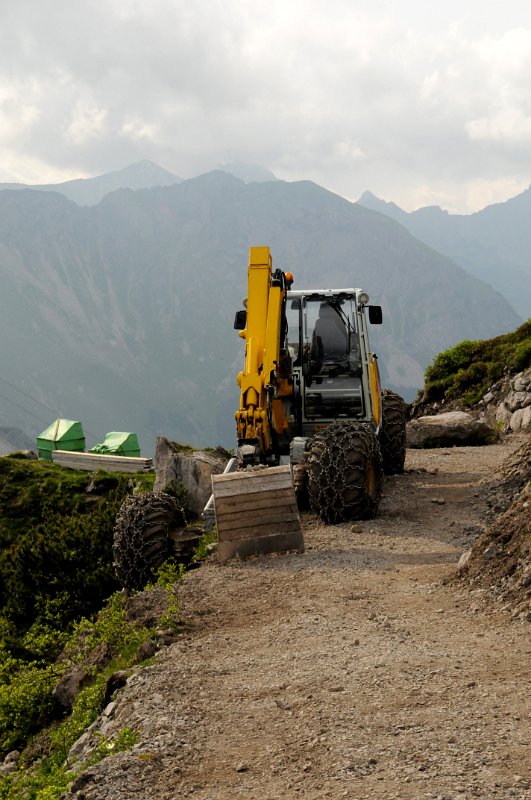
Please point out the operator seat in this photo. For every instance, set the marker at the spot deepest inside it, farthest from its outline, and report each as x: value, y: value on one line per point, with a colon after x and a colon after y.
x: 330, y: 339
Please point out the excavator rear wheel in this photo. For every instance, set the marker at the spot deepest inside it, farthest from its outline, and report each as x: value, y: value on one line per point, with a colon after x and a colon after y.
x: 345, y: 472
x: 142, y: 536
x: 393, y: 433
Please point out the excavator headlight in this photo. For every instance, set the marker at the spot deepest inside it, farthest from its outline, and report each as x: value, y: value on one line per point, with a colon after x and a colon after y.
x: 363, y: 298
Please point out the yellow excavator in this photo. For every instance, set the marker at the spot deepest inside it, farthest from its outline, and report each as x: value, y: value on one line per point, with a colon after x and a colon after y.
x: 314, y: 429
x: 310, y: 392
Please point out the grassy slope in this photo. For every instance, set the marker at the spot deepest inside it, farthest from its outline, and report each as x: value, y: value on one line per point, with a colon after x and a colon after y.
x: 465, y: 372
x: 55, y: 569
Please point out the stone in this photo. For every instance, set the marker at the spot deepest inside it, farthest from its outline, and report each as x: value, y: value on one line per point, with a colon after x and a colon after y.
x: 145, y: 651
x: 192, y: 470
x: 503, y: 415
x: 521, y: 382
x: 515, y: 400
x: 79, y: 746
x: 70, y: 685
x: 521, y: 419
x: 463, y: 561
x: 450, y: 428
x: 491, y: 551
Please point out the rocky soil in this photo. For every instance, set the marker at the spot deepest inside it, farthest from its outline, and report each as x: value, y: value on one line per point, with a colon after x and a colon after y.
x: 506, y: 405
x: 362, y: 668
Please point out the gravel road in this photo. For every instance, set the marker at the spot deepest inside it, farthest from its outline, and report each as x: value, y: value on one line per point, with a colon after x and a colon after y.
x: 353, y: 670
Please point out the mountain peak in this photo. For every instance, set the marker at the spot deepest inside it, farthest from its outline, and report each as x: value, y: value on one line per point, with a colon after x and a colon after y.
x: 144, y: 170
x: 143, y: 174
x: 374, y: 203
x: 248, y: 173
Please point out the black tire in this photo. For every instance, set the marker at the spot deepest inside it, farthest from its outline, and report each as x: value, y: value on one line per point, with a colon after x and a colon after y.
x: 345, y: 472
x: 141, y: 536
x: 393, y: 433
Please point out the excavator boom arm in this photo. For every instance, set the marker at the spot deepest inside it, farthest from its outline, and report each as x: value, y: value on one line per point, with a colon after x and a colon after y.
x: 260, y: 379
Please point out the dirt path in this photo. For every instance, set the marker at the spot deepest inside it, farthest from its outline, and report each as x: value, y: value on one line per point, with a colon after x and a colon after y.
x: 351, y: 671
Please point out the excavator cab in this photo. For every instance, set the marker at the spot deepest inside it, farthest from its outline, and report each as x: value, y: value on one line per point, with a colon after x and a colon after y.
x: 324, y: 343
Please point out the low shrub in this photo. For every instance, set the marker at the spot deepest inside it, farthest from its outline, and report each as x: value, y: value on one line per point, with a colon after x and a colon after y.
x: 466, y: 371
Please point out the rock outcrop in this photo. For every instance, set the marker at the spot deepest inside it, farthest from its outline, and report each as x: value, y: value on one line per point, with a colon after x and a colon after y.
x: 451, y: 428
x: 193, y: 470
x: 513, y: 410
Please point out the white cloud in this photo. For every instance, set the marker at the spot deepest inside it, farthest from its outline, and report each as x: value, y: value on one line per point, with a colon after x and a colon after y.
x: 87, y: 122
x: 407, y: 100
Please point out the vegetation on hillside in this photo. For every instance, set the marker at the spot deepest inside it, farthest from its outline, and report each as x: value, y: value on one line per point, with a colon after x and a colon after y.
x: 55, y: 569
x: 55, y: 546
x: 466, y: 371
x: 59, y: 607
x: 29, y: 715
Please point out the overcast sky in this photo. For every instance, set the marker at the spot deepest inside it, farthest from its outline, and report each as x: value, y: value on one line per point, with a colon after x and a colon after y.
x: 419, y: 102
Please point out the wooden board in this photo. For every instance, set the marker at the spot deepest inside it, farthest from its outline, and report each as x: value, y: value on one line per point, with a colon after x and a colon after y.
x: 256, y: 513
x: 95, y: 461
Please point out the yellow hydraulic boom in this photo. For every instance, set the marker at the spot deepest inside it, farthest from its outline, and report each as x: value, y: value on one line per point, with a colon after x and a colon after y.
x: 263, y: 382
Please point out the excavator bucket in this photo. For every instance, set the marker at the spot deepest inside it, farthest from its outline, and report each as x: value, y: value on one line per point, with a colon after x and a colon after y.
x: 256, y: 513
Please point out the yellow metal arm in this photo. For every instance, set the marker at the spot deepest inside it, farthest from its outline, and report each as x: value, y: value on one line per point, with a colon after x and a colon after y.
x: 265, y: 296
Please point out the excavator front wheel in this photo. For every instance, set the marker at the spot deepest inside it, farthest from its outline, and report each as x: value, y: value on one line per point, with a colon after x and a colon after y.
x: 345, y: 472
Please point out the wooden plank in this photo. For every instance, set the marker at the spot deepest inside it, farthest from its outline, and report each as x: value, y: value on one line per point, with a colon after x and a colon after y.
x: 232, y: 515
x: 247, y: 548
x: 110, y: 463
x: 284, y: 469
x: 281, y: 527
x: 108, y: 457
x: 249, y: 483
x: 270, y: 517
x: 255, y: 501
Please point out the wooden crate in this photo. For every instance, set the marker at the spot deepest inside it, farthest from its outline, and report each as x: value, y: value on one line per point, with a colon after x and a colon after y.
x: 256, y: 513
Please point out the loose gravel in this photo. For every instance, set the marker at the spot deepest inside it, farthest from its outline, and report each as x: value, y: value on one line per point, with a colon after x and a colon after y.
x: 356, y: 669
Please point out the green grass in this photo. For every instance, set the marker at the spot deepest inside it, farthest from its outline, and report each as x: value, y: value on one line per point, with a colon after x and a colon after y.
x: 465, y: 372
x: 55, y: 569
x: 59, y: 597
x: 30, y: 692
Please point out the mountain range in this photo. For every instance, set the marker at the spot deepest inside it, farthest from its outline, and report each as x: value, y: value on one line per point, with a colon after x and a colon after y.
x: 89, y: 191
x: 494, y: 244
x: 120, y: 314
x: 142, y: 175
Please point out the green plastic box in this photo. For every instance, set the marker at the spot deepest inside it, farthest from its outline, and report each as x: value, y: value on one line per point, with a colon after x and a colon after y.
x: 118, y: 443
x: 63, y: 434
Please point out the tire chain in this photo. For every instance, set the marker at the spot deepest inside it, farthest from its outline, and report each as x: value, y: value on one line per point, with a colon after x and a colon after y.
x: 340, y: 460
x: 140, y: 543
x: 393, y: 432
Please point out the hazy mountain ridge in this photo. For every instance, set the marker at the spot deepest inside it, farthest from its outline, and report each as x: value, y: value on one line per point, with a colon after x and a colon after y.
x: 141, y: 175
x: 493, y: 244
x: 89, y: 191
x: 121, y: 314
